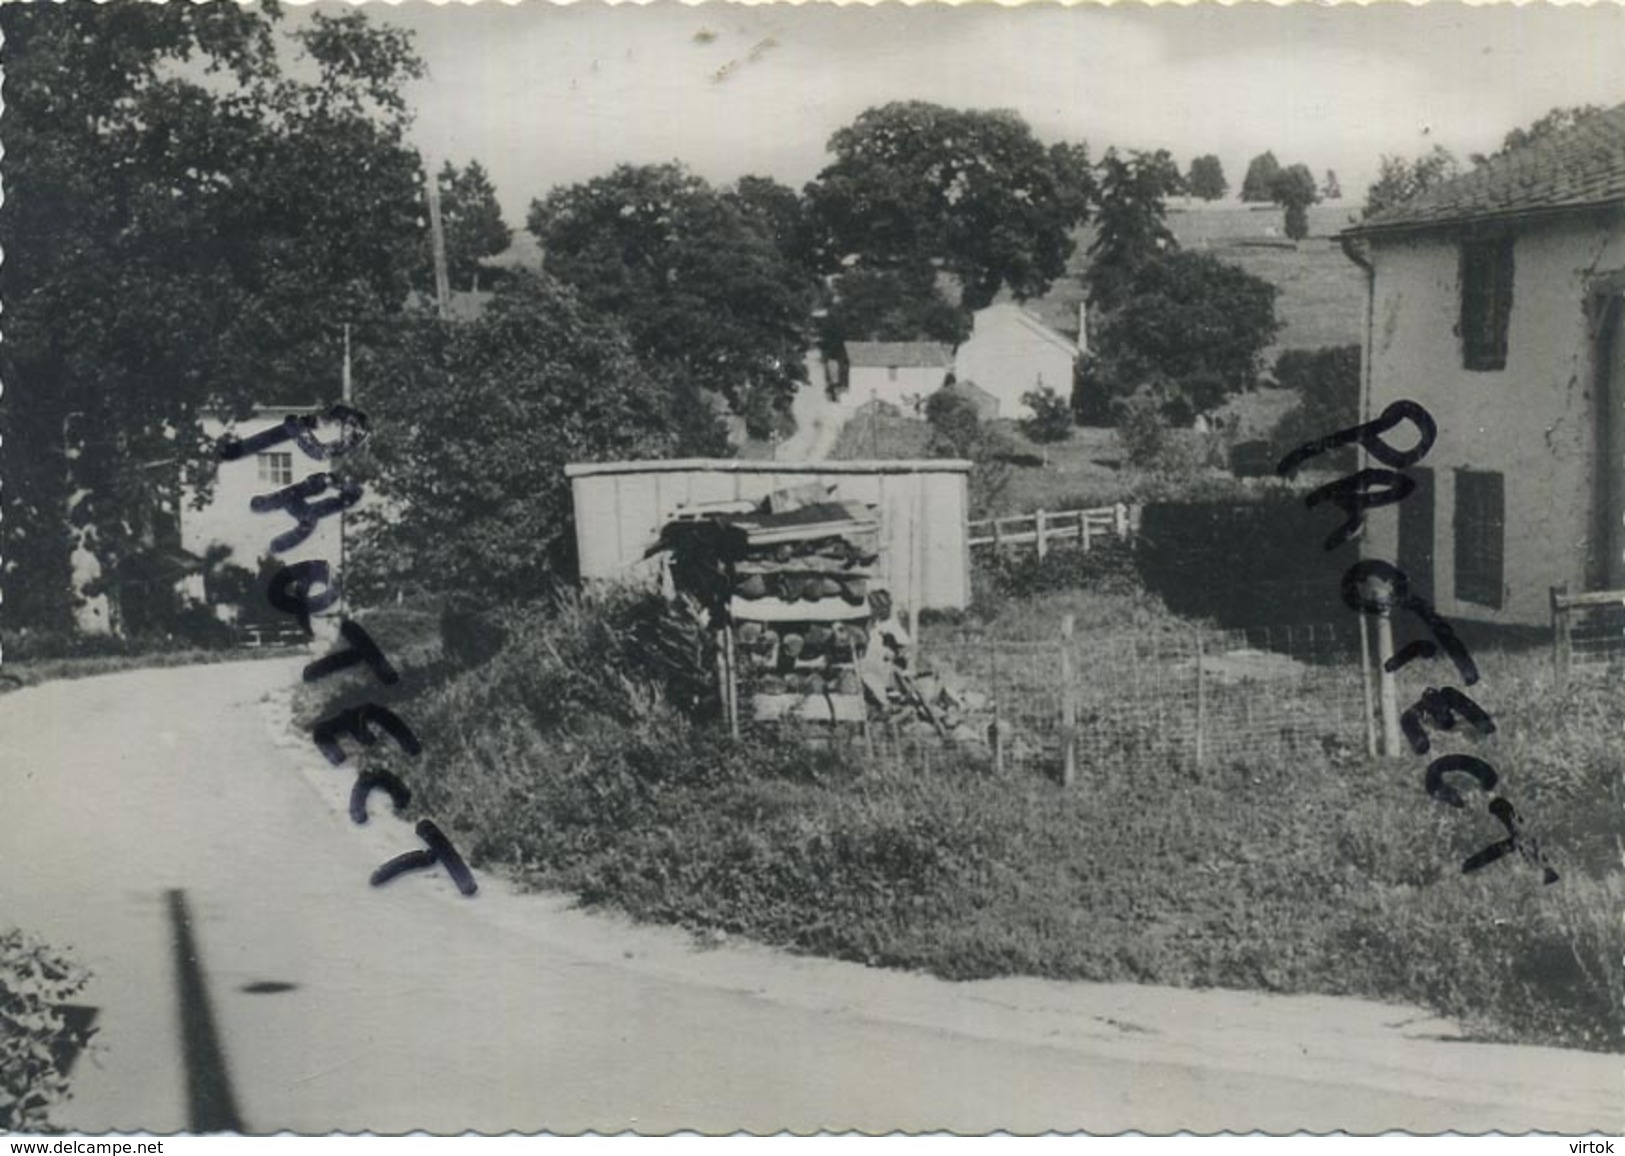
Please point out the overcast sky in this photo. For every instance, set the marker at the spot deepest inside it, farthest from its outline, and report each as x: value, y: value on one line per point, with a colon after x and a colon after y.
x: 544, y: 95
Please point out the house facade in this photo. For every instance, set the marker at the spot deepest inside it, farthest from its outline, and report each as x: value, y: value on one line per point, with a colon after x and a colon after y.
x: 899, y: 373
x: 1497, y: 301
x: 1010, y: 353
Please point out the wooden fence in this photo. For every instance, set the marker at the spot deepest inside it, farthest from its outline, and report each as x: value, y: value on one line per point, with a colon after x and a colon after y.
x: 1046, y: 527
x: 1588, y: 630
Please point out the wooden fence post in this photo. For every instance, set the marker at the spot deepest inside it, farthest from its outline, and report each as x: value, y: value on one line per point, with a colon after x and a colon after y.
x: 998, y: 717
x: 1120, y: 517
x: 1038, y: 523
x: 1069, y: 707
x: 1388, y: 691
x: 1562, y: 638
x: 1201, y: 706
x: 1083, y: 530
x: 1365, y: 686
x: 998, y: 539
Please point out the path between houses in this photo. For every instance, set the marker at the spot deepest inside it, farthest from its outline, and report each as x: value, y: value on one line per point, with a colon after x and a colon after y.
x: 335, y: 1005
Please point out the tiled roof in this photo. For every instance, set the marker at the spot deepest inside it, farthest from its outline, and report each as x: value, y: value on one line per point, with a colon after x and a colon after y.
x: 1581, y: 167
x: 884, y: 354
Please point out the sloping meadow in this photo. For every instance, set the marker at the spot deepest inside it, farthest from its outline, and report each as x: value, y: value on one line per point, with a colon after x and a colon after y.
x: 573, y: 750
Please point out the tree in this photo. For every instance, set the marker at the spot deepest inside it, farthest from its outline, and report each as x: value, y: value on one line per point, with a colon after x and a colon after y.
x: 1558, y: 120
x: 1261, y: 173
x: 1190, y: 332
x: 1399, y: 179
x: 1330, y: 189
x: 1206, y: 178
x: 781, y: 213
x: 1130, y: 223
x: 473, y: 225
x: 969, y: 192
x: 1294, y: 190
x: 497, y: 408
x: 1327, y: 382
x: 1051, y: 420
x: 178, y: 239
x: 697, y: 278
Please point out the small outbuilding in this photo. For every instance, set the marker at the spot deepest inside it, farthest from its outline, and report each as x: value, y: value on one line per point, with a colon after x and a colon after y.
x: 922, y: 508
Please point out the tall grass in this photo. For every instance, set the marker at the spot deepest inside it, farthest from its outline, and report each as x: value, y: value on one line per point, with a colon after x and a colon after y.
x: 565, y: 761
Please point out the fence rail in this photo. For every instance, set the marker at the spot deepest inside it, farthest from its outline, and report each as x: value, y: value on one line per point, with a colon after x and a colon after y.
x: 1044, y: 527
x: 1588, y: 631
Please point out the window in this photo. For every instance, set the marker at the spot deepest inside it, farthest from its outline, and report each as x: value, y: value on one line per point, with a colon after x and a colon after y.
x: 1480, y: 536
x: 1486, y: 302
x: 276, y: 468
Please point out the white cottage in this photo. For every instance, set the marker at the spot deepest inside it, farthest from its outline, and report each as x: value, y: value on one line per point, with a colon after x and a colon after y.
x: 1010, y: 353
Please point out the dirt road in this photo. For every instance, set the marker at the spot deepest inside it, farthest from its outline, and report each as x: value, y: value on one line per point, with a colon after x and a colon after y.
x: 196, y: 854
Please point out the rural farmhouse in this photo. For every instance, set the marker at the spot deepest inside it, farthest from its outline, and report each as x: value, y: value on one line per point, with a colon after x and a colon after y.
x: 1011, y: 353
x: 899, y: 373
x: 1497, y: 301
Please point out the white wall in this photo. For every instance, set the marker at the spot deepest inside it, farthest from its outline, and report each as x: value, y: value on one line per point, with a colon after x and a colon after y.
x: 1008, y: 359
x: 620, y: 508
x: 913, y: 384
x: 1533, y: 421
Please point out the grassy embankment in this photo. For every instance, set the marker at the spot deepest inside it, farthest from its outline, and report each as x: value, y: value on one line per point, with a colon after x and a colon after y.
x: 16, y: 673
x: 561, y: 761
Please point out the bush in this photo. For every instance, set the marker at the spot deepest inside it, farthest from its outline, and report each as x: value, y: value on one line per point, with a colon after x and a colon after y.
x: 1107, y: 567
x: 35, y: 1035
x: 1052, y: 416
x: 1327, y: 382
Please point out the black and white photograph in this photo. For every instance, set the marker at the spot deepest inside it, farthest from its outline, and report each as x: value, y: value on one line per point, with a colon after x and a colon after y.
x: 763, y: 568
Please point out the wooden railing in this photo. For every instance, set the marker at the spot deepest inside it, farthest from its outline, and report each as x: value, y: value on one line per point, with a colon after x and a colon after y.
x: 1044, y: 528
x: 1588, y: 630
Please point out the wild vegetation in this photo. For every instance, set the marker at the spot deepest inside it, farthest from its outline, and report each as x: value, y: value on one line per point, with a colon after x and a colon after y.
x: 36, y: 1034
x: 1261, y: 872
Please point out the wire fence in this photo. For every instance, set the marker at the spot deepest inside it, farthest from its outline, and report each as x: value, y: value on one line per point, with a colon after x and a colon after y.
x: 1133, y: 698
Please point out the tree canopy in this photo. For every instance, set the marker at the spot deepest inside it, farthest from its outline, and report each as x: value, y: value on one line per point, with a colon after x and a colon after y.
x: 1189, y: 332
x: 902, y: 304
x: 1399, y: 179
x: 473, y: 225
x: 1206, y: 179
x: 1130, y: 224
x: 179, y: 238
x: 697, y: 278
x: 1261, y: 173
x: 1294, y: 190
x: 1558, y: 120
x: 971, y: 192
x: 491, y: 412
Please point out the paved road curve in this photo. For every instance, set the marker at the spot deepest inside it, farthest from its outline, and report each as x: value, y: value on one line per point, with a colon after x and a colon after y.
x: 196, y: 854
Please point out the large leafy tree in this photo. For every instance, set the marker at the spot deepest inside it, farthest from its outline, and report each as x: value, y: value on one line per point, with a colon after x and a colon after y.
x: 472, y: 219
x: 1131, y: 222
x: 184, y: 225
x: 1294, y: 190
x: 1189, y: 331
x: 697, y: 278
x: 1400, y: 178
x: 492, y: 411
x: 1261, y: 173
x: 1206, y: 179
x: 970, y: 192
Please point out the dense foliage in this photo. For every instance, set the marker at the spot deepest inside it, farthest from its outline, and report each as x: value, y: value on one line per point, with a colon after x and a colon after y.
x: 35, y: 984
x: 474, y: 457
x: 1261, y: 173
x: 899, y: 304
x: 472, y: 221
x: 1131, y: 226
x: 1051, y: 419
x: 697, y: 278
x: 1206, y: 178
x: 1399, y: 179
x: 972, y: 193
x: 1190, y: 331
x: 186, y: 226
x: 1294, y: 190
